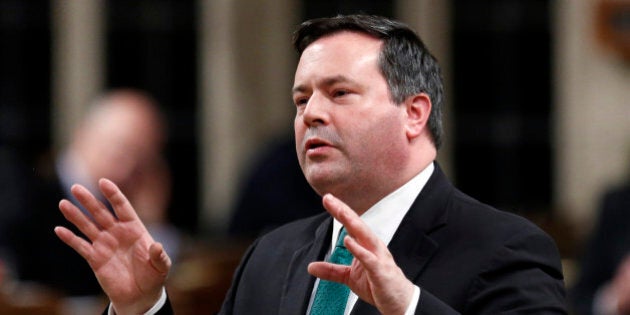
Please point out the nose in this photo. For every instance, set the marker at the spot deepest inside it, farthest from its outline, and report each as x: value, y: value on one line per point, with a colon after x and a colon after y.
x: 315, y: 111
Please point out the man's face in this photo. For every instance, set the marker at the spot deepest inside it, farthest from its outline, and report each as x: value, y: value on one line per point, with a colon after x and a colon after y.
x: 349, y: 134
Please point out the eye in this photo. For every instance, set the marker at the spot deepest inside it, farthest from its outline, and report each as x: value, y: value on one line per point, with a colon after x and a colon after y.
x: 299, y: 101
x: 340, y: 93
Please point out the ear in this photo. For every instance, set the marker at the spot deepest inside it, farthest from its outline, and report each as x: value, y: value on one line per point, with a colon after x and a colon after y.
x: 418, y: 109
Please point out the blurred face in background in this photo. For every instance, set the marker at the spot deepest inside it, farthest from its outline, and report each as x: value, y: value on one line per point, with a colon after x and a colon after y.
x: 121, y: 137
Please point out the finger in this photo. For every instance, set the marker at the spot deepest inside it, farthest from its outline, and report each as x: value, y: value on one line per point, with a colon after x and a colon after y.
x: 123, y: 209
x: 79, y: 219
x: 102, y: 216
x: 80, y: 245
x: 159, y: 259
x: 330, y: 272
x: 351, y: 221
x: 368, y: 259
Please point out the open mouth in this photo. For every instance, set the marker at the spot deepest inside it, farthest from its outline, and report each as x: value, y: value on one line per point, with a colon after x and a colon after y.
x: 314, y: 144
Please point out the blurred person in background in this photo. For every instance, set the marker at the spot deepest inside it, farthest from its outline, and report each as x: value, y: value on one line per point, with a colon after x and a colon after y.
x: 151, y: 193
x: 121, y: 137
x: 603, y: 285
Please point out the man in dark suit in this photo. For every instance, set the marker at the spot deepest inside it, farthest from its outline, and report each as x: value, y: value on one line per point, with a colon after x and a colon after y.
x: 368, y: 126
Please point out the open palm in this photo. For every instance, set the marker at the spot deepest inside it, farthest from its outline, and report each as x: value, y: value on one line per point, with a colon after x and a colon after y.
x: 130, y: 266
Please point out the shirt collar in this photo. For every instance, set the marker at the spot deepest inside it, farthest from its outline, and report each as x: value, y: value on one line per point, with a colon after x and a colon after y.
x: 384, y: 217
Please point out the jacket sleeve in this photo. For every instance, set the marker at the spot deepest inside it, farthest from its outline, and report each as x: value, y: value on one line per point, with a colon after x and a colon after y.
x: 429, y: 304
x: 522, y: 276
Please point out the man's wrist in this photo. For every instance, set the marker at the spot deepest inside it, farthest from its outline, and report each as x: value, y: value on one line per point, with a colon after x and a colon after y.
x: 153, y: 310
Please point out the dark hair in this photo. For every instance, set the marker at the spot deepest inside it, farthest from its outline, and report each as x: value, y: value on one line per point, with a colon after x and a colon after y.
x: 405, y: 62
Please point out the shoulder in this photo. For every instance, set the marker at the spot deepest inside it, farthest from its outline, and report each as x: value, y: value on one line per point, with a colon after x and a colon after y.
x: 496, y: 235
x: 503, y: 250
x: 441, y: 207
x: 468, y: 213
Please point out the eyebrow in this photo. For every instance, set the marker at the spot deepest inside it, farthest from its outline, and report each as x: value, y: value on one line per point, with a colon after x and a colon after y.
x: 326, y: 82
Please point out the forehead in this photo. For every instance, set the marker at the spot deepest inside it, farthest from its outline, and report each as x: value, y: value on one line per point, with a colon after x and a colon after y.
x: 342, y: 53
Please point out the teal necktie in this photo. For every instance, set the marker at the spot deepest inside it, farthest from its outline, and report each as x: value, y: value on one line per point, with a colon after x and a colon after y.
x: 331, y: 297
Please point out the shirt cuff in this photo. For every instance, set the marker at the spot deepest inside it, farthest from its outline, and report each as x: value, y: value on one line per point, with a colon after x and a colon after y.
x: 152, y: 311
x: 413, y: 304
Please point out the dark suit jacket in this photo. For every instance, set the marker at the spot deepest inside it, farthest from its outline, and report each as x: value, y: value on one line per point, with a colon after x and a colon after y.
x: 465, y: 256
x: 608, y: 247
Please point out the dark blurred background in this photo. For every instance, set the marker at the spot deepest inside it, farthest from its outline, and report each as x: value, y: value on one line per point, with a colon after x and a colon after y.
x: 501, y: 50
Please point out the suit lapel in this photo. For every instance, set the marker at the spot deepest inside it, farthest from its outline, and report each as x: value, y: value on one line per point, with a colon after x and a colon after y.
x: 412, y: 245
x: 411, y: 258
x: 298, y: 282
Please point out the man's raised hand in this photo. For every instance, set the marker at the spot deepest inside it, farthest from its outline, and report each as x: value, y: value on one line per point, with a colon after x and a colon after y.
x: 373, y: 275
x: 129, y: 265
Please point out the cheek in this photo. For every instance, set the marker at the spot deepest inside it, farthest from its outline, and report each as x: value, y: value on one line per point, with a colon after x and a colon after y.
x: 299, y: 131
x: 383, y: 141
x: 298, y: 122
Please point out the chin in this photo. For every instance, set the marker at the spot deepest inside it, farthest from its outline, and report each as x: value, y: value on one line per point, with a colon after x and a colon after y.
x: 325, y: 176
x: 323, y: 184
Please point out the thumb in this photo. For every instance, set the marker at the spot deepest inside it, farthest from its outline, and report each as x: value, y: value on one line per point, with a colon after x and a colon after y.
x: 159, y: 259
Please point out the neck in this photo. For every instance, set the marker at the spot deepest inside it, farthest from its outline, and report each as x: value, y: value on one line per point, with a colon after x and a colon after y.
x: 361, y: 197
